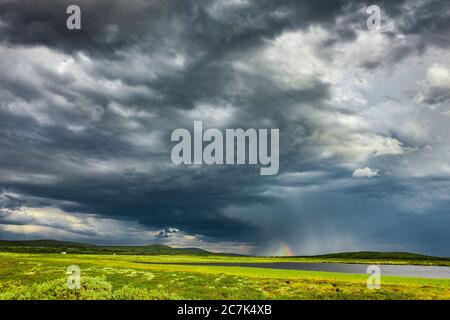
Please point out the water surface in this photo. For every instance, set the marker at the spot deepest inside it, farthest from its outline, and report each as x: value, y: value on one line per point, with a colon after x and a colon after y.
x: 387, y: 270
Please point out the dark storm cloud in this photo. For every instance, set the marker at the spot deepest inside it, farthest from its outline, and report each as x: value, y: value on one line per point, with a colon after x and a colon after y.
x: 428, y: 19
x: 9, y: 203
x: 155, y: 22
x: 436, y: 96
x: 44, y: 23
x: 96, y: 139
x: 109, y: 26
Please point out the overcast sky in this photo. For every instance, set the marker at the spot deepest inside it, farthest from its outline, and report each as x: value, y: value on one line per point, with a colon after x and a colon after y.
x: 364, y: 120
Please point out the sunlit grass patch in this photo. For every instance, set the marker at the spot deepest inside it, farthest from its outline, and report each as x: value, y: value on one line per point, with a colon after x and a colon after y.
x: 43, y: 276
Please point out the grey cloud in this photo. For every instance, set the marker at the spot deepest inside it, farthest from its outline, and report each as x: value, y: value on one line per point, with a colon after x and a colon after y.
x: 86, y: 123
x: 167, y: 233
x: 9, y: 203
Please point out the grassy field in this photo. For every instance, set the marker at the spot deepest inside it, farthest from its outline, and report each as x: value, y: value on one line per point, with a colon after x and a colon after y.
x: 160, y: 253
x: 109, y: 276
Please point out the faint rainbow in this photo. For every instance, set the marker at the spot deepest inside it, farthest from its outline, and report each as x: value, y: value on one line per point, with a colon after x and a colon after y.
x: 287, y: 251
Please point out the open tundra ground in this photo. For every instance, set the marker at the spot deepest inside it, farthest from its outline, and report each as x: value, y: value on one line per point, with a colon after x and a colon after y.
x: 108, y: 276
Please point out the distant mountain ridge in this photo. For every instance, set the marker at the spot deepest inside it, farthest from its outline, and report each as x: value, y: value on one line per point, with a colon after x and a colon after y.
x: 56, y: 246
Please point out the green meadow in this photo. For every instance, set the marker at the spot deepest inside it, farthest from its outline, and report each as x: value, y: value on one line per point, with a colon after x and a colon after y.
x: 131, y: 276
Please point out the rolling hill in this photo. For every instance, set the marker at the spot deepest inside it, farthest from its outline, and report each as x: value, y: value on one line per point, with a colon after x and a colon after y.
x: 55, y: 246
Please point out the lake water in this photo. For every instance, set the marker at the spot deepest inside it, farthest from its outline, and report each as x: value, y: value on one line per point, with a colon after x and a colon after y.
x: 387, y: 270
